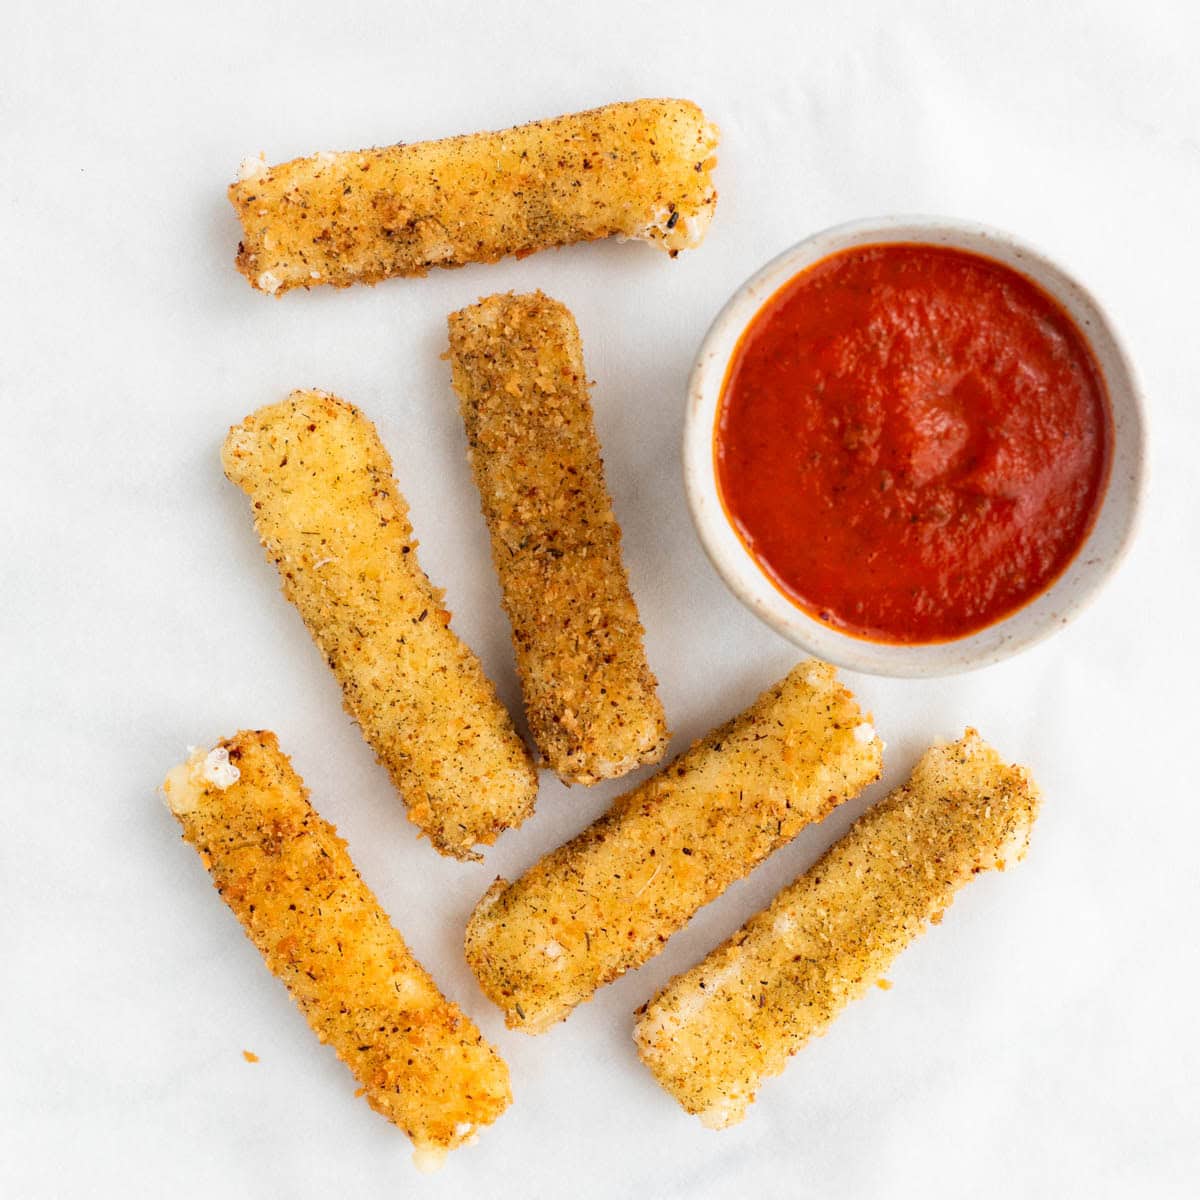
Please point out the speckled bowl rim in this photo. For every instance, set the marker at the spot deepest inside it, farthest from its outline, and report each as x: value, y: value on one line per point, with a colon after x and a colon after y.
x: 1102, y: 551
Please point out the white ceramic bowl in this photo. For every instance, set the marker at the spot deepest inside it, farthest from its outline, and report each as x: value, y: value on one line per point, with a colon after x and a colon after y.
x: 1097, y: 557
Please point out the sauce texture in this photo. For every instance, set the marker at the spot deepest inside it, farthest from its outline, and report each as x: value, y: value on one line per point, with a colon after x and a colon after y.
x: 912, y: 441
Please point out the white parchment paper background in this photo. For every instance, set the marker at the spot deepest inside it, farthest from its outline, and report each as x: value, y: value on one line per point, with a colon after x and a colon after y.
x: 1041, y: 1042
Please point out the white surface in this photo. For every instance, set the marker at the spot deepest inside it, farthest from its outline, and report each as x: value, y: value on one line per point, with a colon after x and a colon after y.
x: 1041, y: 1042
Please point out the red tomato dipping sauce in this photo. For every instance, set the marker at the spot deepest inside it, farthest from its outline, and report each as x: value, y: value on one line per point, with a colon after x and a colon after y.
x: 912, y: 441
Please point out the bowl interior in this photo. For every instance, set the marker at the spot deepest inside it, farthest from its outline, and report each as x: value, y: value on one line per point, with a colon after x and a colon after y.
x: 1097, y: 557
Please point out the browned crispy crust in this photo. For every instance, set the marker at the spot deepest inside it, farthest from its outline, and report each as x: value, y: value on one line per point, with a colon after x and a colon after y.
x: 608, y: 900
x: 288, y: 878
x: 638, y: 169
x: 717, y: 1031
x: 332, y: 520
x: 590, y: 698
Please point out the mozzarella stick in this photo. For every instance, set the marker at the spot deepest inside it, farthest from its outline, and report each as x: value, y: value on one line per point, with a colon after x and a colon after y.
x: 288, y: 878
x: 717, y: 1031
x: 636, y: 170
x: 608, y: 900
x: 590, y: 698
x: 333, y: 522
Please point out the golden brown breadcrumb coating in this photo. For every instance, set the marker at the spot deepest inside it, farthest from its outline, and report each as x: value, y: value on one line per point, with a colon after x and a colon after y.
x: 638, y: 169
x: 714, y: 1033
x: 288, y: 878
x: 590, y: 699
x: 608, y: 900
x: 334, y: 523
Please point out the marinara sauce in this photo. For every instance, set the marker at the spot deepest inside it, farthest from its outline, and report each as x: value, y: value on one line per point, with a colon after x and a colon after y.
x: 912, y: 441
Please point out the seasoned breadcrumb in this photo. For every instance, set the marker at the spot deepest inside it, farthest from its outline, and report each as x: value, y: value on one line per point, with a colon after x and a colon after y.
x: 590, y: 699
x: 332, y: 520
x: 608, y: 900
x: 288, y: 878
x: 638, y: 169
x: 717, y: 1031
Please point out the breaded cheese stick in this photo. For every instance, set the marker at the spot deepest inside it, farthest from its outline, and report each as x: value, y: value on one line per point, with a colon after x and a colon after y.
x: 638, y: 169
x: 332, y: 520
x: 717, y: 1031
x: 288, y: 878
x: 590, y: 698
x: 608, y: 900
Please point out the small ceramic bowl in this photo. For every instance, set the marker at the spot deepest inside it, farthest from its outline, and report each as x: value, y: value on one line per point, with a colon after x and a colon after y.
x: 1097, y: 558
